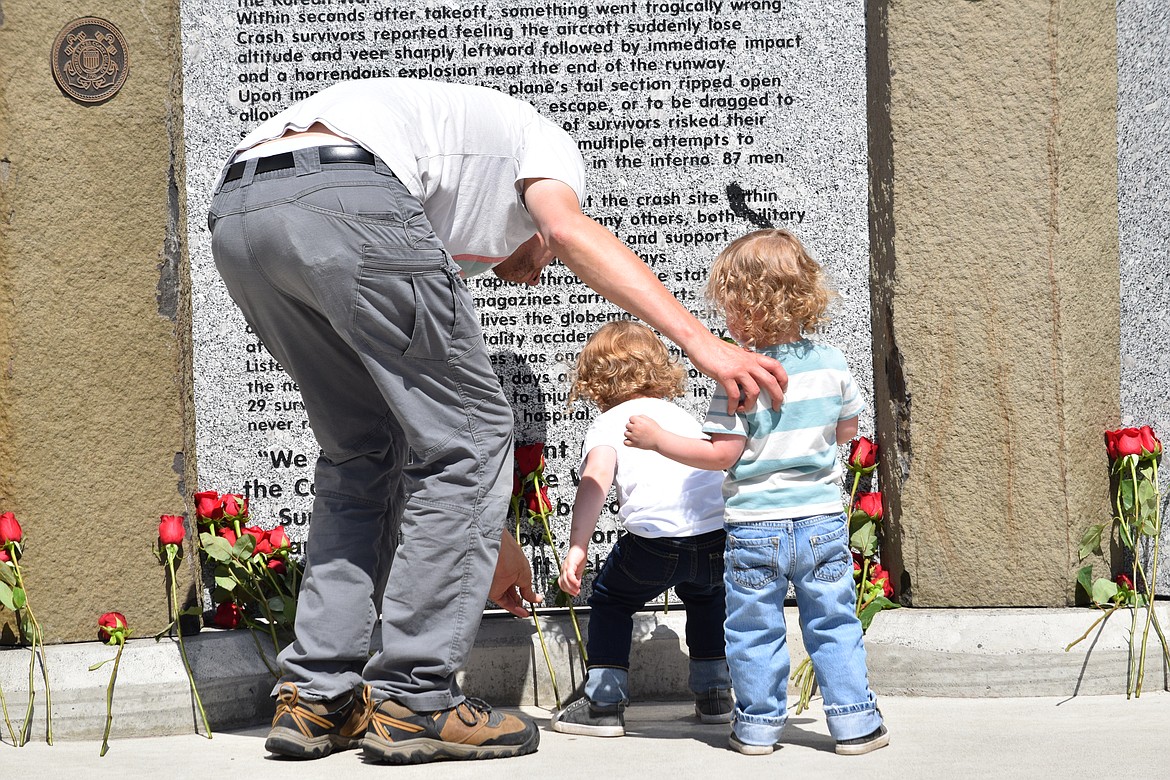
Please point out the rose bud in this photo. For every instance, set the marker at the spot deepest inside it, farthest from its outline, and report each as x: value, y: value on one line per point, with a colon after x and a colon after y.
x: 1129, y: 442
x: 112, y: 628
x: 870, y: 504
x: 863, y: 455
x: 4, y: 556
x: 10, y: 530
x: 277, y: 565
x: 1151, y: 445
x: 227, y: 615
x: 170, y: 529
x: 1111, y: 445
x: 538, y: 503
x: 278, y: 539
x: 1123, y: 582
x: 530, y: 458
x: 207, y: 506
x: 234, y: 505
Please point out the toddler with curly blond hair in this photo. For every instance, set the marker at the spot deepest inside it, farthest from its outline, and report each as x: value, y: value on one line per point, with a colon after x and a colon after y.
x: 784, y: 516
x: 673, y: 515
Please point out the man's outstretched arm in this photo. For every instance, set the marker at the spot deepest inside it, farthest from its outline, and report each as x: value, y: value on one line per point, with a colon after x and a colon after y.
x: 607, y: 265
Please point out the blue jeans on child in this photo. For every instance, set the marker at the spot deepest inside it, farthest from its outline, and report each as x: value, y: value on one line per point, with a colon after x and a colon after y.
x: 637, y: 570
x: 813, y: 554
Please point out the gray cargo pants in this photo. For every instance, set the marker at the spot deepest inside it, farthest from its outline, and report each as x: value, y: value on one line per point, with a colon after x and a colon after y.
x: 338, y: 271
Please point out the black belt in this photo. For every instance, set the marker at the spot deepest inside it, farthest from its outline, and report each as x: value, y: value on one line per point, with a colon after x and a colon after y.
x: 329, y: 155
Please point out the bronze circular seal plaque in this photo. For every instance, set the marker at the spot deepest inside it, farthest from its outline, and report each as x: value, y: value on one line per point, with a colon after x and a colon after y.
x: 90, y: 61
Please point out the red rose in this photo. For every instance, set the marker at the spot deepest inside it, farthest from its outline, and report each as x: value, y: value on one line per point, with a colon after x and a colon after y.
x: 234, y: 505
x: 277, y: 565
x: 870, y: 504
x: 1111, y: 445
x: 538, y: 503
x: 517, y: 485
x: 170, y: 529
x: 879, y: 576
x: 1123, y: 442
x: 227, y: 615
x: 1123, y: 582
x: 1151, y: 444
x: 228, y: 534
x: 530, y: 458
x: 9, y: 529
x: 278, y: 539
x: 863, y: 455
x: 112, y: 628
x: 4, y: 556
x: 207, y: 506
x: 263, y: 546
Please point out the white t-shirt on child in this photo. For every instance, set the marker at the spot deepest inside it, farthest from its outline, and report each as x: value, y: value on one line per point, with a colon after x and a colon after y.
x: 658, y: 497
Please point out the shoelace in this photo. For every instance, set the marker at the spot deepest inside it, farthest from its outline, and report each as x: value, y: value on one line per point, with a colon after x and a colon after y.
x: 476, y: 706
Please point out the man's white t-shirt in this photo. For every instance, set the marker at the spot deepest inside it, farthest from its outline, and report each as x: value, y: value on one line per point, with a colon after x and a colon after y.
x: 657, y: 496
x: 462, y: 150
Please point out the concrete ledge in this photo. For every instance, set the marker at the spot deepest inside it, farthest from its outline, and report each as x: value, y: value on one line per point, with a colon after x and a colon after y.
x: 918, y: 652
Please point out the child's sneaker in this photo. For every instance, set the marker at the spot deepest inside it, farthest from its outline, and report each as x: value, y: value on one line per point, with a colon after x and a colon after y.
x: 878, y: 738
x: 582, y: 716
x: 749, y: 750
x: 715, y: 706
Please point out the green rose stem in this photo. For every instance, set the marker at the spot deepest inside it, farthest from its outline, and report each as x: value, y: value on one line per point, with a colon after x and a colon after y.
x: 536, y: 621
x: 7, y: 720
x: 38, y: 638
x: 172, y: 550
x: 804, y: 678
x: 543, y: 514
x: 110, y: 697
x: 1150, y: 583
x: 1089, y: 630
x: 1130, y: 544
x: 252, y: 632
x: 258, y: 597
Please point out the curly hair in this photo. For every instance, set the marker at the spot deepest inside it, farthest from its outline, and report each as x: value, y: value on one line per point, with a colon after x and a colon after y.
x: 768, y: 288
x: 625, y: 360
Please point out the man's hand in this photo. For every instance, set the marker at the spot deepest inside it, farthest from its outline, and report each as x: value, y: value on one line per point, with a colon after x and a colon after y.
x: 512, y: 583
x: 741, y: 372
x: 525, y: 265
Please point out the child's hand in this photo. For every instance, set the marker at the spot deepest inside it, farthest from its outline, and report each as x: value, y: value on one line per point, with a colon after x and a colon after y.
x: 571, y: 570
x: 642, y: 432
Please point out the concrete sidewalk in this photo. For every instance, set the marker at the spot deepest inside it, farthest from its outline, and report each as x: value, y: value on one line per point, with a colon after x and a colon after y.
x: 1083, y: 736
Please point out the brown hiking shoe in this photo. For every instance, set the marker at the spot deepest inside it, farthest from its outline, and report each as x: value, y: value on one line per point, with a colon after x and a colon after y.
x: 469, y: 730
x: 312, y: 729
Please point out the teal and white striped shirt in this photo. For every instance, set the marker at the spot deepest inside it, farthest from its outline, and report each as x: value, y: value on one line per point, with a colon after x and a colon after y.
x: 789, y: 467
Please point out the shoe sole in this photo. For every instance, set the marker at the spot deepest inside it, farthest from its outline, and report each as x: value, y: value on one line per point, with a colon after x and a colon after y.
x: 293, y: 744
x: 864, y: 747
x: 750, y: 750
x: 421, y: 751
x: 585, y: 730
x: 721, y: 717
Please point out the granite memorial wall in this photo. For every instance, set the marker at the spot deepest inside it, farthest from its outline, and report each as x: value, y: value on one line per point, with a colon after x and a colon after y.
x: 1143, y: 200
x: 699, y: 121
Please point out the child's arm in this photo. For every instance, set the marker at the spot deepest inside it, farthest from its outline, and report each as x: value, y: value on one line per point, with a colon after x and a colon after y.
x: 719, y: 452
x: 596, y: 479
x: 846, y: 430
